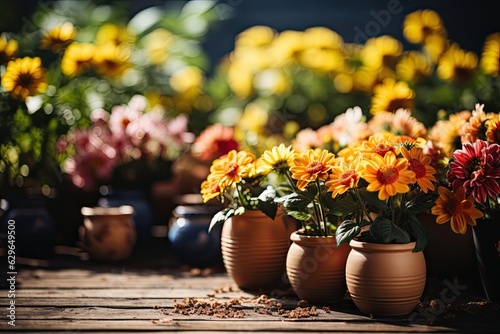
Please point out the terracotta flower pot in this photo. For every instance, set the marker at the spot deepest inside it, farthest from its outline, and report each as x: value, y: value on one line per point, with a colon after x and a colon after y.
x: 254, y: 249
x: 108, y: 234
x: 385, y: 279
x: 316, y: 268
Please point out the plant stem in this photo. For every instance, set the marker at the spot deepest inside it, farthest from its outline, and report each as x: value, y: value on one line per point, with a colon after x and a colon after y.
x: 363, y: 207
x: 320, y: 207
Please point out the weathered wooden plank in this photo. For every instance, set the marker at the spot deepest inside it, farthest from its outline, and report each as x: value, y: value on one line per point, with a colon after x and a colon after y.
x: 128, y: 293
x: 163, y: 324
x: 99, y: 313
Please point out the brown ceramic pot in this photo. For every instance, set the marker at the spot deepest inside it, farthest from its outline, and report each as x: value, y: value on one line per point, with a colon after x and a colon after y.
x: 254, y: 249
x: 385, y: 279
x: 108, y: 234
x: 316, y: 268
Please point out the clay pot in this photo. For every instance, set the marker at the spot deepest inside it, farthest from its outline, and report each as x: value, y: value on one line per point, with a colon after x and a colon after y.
x: 108, y: 234
x: 385, y: 279
x: 254, y: 249
x: 316, y: 268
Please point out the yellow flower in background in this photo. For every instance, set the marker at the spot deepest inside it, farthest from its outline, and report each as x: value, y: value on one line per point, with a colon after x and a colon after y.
x: 419, y: 163
x: 344, y: 176
x: 311, y: 166
x: 77, y: 58
x: 24, y: 77
x: 421, y: 24
x: 321, y: 60
x: 188, y: 80
x: 388, y: 175
x: 445, y: 134
x: 256, y: 36
x: 240, y: 79
x: 490, y: 59
x: 278, y: 159
x: 391, y: 96
x: 322, y: 38
x: 413, y: 67
x: 286, y: 47
x: 364, y: 80
x: 8, y: 48
x: 456, y: 64
x: 157, y: 45
x: 456, y: 208
x: 253, y: 120
x: 111, y: 60
x: 493, y: 129
x: 58, y: 37
x: 115, y: 34
x: 381, y: 52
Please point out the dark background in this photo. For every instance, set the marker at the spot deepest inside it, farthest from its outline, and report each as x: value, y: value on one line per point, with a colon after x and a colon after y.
x: 467, y: 22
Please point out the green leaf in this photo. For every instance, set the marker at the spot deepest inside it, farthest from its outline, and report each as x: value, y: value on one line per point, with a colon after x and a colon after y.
x: 343, y: 207
x: 299, y: 215
x: 371, y: 198
x: 384, y: 231
x: 421, y: 235
x: 221, y: 216
x: 347, y: 231
x: 295, y: 200
x: 422, y: 202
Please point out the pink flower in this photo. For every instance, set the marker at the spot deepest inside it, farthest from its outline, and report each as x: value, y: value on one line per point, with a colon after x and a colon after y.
x: 476, y: 168
x: 121, y: 117
x: 306, y: 139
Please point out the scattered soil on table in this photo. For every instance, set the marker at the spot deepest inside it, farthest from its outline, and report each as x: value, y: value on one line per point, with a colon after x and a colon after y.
x: 299, y: 312
x: 192, y: 306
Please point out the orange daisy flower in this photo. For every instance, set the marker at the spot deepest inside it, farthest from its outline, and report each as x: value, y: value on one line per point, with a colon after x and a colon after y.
x: 210, y: 189
x: 493, y: 130
x: 455, y: 208
x: 388, y: 175
x: 419, y: 163
x: 231, y: 168
x: 380, y: 144
x: 310, y: 166
x: 344, y: 176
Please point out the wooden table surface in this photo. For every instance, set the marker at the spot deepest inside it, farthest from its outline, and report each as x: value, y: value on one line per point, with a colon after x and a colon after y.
x: 70, y: 295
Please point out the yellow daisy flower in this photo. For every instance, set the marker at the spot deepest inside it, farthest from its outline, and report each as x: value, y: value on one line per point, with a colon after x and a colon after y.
x: 8, y: 48
x: 24, y: 77
x: 391, y: 96
x: 278, y: 159
x: 434, y: 46
x: 344, y: 176
x: 381, y: 52
x: 256, y: 36
x: 311, y: 166
x: 414, y: 66
x: 419, y: 25
x: 115, y: 34
x: 493, y: 130
x: 388, y: 175
x: 231, y: 168
x: 58, y: 37
x: 490, y: 59
x: 456, y: 64
x: 210, y: 189
x: 419, y: 163
x: 457, y: 209
x: 378, y: 144
x: 111, y: 60
x: 157, y: 45
x: 446, y: 133
x: 77, y: 58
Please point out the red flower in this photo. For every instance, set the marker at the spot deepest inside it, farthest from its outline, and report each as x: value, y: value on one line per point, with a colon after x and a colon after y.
x: 476, y: 167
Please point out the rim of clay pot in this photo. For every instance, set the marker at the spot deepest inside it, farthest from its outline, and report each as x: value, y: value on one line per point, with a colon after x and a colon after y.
x: 382, y: 247
x: 124, y: 210
x: 300, y: 237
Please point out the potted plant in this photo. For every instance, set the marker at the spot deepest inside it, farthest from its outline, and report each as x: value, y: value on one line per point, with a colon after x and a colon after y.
x: 472, y: 195
x: 255, y: 238
x: 390, y: 181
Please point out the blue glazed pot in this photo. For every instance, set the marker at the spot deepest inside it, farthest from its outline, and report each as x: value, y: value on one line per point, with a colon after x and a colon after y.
x: 188, y: 234
x: 35, y: 230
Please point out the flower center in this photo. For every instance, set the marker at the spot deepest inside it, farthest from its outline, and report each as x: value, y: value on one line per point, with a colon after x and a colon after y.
x: 347, y: 177
x: 25, y: 80
x: 381, y: 149
x: 231, y: 169
x: 315, y: 167
x: 399, y: 103
x: 387, y: 174
x: 417, y: 167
